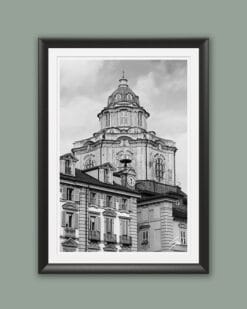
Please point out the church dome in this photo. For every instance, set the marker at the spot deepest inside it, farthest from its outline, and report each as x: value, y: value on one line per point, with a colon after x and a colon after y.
x: 123, y: 95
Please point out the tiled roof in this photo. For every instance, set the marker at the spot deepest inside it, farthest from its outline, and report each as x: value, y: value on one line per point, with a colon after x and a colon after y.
x: 80, y: 176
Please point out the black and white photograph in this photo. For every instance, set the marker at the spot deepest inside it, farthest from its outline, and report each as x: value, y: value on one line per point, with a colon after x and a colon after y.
x: 123, y: 157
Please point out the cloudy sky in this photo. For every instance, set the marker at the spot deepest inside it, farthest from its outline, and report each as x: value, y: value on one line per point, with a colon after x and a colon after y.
x: 160, y: 84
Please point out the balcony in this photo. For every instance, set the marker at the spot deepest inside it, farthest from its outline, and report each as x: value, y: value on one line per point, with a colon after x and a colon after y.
x: 144, y: 242
x: 69, y: 232
x: 94, y: 235
x: 125, y: 240
x: 110, y: 238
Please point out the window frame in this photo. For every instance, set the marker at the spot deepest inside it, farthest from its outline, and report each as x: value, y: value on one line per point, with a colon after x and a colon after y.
x: 159, y: 168
x: 69, y: 196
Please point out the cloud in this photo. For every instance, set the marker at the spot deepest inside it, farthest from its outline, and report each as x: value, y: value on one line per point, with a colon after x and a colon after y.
x: 78, y: 78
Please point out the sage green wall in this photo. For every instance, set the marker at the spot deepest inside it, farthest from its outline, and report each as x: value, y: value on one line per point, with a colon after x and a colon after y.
x: 21, y: 22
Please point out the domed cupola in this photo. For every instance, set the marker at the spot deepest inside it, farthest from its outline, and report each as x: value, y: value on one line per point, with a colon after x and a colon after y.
x: 123, y: 111
x: 123, y: 95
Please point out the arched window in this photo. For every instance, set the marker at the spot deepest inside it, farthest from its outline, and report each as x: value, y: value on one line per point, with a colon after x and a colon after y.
x: 140, y: 119
x: 89, y: 163
x: 107, y: 119
x: 129, y: 96
x: 159, y: 169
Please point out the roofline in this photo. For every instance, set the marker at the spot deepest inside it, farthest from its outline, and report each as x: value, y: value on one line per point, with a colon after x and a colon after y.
x: 107, y: 108
x: 96, y: 167
x: 156, y: 199
x: 106, y: 187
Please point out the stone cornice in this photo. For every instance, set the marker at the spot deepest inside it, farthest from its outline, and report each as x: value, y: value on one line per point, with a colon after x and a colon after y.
x: 144, y: 141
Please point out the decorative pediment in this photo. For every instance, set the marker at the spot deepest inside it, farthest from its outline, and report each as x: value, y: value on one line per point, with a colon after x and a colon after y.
x: 70, y: 243
x: 94, y: 246
x: 108, y: 165
x: 110, y: 213
x: 144, y: 226
x: 124, y: 217
x: 69, y: 156
x: 110, y: 247
x: 70, y: 206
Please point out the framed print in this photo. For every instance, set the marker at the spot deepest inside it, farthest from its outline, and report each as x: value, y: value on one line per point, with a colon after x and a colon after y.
x: 123, y: 156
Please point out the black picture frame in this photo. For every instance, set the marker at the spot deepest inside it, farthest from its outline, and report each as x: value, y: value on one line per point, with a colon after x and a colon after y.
x: 44, y: 267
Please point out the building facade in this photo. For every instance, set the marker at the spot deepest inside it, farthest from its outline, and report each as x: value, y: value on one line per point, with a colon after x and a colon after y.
x: 162, y: 219
x: 124, y: 134
x: 98, y: 213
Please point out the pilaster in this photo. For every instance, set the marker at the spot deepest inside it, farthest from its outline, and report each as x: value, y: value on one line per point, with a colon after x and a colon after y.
x: 82, y: 219
x: 166, y: 225
x: 133, y: 223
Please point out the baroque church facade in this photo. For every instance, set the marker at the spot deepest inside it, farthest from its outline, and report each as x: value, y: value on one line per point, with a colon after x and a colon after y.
x: 124, y: 134
x: 118, y: 187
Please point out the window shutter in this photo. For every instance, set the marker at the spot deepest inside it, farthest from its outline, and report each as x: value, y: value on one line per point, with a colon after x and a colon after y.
x: 64, y: 195
x: 76, y: 195
x: 121, y: 227
x: 104, y: 200
x: 114, y: 201
x: 117, y: 203
x: 98, y: 223
x: 101, y: 202
x: 73, y: 195
x: 63, y: 223
x: 76, y: 218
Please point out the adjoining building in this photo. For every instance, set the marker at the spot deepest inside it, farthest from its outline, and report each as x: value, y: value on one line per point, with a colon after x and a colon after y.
x: 161, y: 217
x: 98, y: 208
x: 122, y: 174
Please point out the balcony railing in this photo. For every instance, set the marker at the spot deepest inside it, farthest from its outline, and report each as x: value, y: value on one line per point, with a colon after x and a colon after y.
x: 69, y: 232
x: 125, y: 240
x: 144, y: 242
x: 94, y: 235
x: 110, y: 238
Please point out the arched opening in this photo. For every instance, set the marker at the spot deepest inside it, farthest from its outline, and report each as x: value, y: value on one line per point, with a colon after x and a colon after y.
x: 159, y: 169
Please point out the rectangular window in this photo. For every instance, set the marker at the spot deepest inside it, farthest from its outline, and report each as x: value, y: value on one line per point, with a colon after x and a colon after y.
x: 109, y: 225
x: 108, y: 201
x: 107, y: 175
x: 69, y: 194
x: 145, y: 235
x: 124, y: 204
x: 123, y: 118
x: 92, y: 223
x: 93, y: 198
x: 67, y: 167
x: 69, y: 219
x: 183, y: 237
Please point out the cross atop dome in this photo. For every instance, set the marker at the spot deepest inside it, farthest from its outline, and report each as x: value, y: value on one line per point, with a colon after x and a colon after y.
x: 123, y: 81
